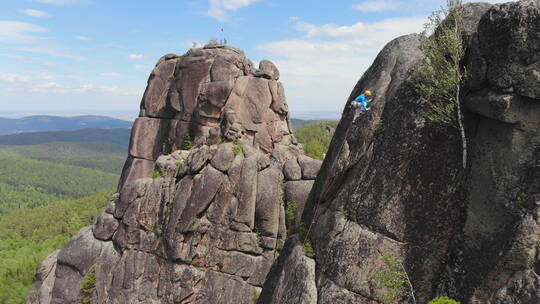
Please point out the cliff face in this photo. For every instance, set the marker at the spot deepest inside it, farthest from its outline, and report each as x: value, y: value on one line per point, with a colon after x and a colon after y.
x: 392, y: 182
x: 202, y: 225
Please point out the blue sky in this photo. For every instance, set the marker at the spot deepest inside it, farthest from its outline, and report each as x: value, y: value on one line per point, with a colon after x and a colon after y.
x: 94, y: 56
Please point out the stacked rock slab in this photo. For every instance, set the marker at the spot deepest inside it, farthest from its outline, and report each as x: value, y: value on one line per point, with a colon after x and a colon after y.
x: 202, y: 225
x: 209, y: 94
x: 393, y: 184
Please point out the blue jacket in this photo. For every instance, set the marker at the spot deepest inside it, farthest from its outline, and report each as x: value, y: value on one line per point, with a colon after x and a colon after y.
x: 363, y: 100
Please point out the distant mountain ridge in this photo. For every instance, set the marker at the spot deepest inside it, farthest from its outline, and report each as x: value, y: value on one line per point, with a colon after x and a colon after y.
x: 39, y: 123
x: 300, y: 123
x: 115, y: 136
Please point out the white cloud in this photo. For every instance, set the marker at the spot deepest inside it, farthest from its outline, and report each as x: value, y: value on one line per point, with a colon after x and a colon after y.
x: 110, y: 74
x: 320, y: 68
x: 61, y: 2
x: 16, y: 57
x: 51, y: 52
x: 82, y: 38
x: 331, y: 30
x: 34, y: 13
x: 135, y: 56
x: 48, y: 76
x: 115, y: 90
x: 43, y: 84
x: 220, y: 9
x: 19, y: 32
x: 376, y: 6
x: 14, y: 78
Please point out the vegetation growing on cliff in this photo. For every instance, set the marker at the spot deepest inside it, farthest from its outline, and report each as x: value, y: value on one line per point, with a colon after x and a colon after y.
x: 438, y: 80
x: 443, y: 300
x: 290, y: 215
x: 156, y: 174
x: 239, y: 148
x: 88, y: 285
x: 187, y: 142
x: 394, y: 279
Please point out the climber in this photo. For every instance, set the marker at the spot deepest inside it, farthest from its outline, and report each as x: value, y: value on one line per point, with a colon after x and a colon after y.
x: 360, y: 103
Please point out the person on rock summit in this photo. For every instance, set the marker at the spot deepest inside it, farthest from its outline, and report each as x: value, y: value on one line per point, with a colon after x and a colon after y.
x: 360, y: 103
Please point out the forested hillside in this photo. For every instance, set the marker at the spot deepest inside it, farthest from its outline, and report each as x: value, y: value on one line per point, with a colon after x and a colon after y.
x: 29, y: 183
x: 316, y: 137
x: 103, y: 156
x: 297, y: 124
x: 28, y: 236
x: 47, y: 193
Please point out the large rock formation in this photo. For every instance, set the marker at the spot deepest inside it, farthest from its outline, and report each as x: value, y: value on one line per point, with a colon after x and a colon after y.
x: 202, y: 225
x: 392, y: 183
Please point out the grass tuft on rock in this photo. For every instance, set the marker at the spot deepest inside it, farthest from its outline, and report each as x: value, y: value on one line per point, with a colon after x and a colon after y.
x: 256, y: 295
x: 156, y: 174
x: 239, y: 148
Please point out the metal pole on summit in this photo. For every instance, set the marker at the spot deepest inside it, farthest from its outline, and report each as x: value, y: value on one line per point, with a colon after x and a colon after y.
x: 222, y: 39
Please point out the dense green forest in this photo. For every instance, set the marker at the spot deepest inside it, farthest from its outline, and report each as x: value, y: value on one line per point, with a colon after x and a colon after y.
x: 47, y: 193
x: 28, y: 236
x: 315, y: 138
x: 300, y: 123
x: 105, y: 156
x: 28, y: 183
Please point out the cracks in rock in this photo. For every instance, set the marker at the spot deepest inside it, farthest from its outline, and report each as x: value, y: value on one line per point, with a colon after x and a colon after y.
x: 142, y: 158
x: 72, y: 267
x: 242, y: 252
x: 156, y: 117
x: 357, y: 293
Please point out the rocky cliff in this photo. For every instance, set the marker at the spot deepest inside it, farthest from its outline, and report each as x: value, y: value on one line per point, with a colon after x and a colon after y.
x: 392, y: 182
x: 199, y: 216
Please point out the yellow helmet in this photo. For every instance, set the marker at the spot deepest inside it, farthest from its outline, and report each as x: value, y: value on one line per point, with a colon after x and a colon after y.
x: 368, y: 93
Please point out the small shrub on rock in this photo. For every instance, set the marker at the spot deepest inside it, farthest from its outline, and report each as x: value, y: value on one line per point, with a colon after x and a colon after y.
x: 187, y: 142
x: 290, y: 213
x: 443, y: 300
x: 394, y: 279
x: 156, y: 174
x: 88, y: 285
x: 308, y: 249
x: 256, y: 295
x: 239, y: 148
